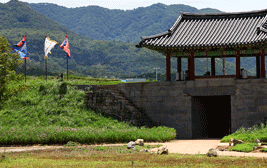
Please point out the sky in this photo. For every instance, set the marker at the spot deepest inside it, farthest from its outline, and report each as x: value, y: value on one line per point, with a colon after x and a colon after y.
x: 223, y: 5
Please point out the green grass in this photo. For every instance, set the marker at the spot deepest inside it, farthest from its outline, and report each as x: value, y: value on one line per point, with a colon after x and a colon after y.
x: 249, y: 134
x: 39, y: 114
x: 119, y: 157
x: 245, y: 147
x: 78, y: 80
x: 264, y: 150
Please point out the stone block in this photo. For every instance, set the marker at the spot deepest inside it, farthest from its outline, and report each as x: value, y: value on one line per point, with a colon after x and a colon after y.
x: 201, y: 83
x: 242, y: 81
x: 162, y: 92
x: 239, y: 110
x: 179, y: 83
x: 166, y: 83
x: 189, y: 84
x: 183, y: 129
x: 137, y: 93
x: 138, y: 104
x: 173, y: 116
x: 228, y: 82
x: 262, y: 109
x: 253, y: 116
x: 154, y: 107
x: 257, y: 80
x: 131, y: 94
x: 246, y: 89
x: 210, y: 91
x: 261, y: 101
x: 252, y: 109
x: 152, y: 88
x: 176, y: 92
x: 215, y: 82
x: 155, y: 99
x: 243, y: 101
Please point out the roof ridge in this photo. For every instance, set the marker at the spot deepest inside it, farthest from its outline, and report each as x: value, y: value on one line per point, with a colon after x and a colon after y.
x: 143, y: 38
x: 224, y: 13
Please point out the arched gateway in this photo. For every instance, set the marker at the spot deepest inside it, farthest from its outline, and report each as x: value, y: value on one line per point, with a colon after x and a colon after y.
x: 207, y: 108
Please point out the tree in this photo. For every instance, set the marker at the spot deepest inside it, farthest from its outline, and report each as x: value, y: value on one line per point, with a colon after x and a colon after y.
x: 8, y: 64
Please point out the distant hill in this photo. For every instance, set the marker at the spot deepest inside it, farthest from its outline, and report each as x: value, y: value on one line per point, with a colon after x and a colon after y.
x: 89, y: 57
x: 105, y: 24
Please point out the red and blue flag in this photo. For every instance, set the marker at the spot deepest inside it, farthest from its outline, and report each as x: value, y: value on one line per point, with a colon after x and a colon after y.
x: 65, y: 46
x: 21, y: 48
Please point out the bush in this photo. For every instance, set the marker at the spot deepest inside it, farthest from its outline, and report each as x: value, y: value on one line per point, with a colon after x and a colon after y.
x: 245, y: 147
x: 258, y: 131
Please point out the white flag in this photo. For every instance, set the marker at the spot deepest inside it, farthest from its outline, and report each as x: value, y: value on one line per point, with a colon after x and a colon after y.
x: 49, y: 45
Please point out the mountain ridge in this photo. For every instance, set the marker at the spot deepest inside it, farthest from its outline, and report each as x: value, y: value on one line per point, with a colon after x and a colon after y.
x: 110, y: 24
x: 89, y: 56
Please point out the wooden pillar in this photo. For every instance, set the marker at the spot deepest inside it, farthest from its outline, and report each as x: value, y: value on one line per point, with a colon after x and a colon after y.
x: 224, y: 69
x: 213, y: 66
x: 258, y: 71
x: 263, y: 64
x: 191, y: 67
x: 179, y: 66
x: 237, y: 65
x: 168, y: 67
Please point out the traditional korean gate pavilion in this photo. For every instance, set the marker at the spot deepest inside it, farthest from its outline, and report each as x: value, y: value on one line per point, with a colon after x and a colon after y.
x: 210, y: 36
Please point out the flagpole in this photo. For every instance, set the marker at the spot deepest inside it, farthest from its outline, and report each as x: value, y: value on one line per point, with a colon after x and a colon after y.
x: 46, y: 68
x: 25, y: 68
x: 67, y: 68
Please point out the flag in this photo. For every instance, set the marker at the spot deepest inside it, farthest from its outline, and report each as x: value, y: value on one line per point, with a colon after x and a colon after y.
x: 65, y: 46
x: 49, y: 45
x: 21, y: 48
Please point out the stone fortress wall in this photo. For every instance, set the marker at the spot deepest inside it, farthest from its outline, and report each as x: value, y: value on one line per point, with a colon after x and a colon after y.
x: 171, y: 103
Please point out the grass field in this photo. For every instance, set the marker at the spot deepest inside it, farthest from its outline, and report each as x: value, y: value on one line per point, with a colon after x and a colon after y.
x: 46, y: 113
x: 119, y: 157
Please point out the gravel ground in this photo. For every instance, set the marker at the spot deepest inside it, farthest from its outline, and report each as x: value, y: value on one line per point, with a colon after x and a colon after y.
x: 177, y: 146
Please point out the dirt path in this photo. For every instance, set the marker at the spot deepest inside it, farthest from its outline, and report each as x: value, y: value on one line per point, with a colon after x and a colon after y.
x: 177, y: 146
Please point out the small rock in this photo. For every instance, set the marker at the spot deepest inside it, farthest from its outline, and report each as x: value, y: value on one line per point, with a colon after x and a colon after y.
x: 131, y: 145
x: 139, y: 142
x: 220, y: 149
x: 257, y: 140
x: 235, y: 141
x: 212, y: 153
x: 257, y: 147
x: 163, y: 150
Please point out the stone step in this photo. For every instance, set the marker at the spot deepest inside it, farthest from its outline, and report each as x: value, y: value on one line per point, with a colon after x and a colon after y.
x: 223, y: 144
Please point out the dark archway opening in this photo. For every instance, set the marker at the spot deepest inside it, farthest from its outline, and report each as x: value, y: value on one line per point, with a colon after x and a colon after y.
x: 211, y: 116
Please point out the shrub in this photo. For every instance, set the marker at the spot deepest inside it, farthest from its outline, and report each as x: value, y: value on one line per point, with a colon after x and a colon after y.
x: 245, y: 147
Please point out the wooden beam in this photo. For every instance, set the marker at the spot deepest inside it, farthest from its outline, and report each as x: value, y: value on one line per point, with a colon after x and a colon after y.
x: 258, y: 71
x: 179, y: 66
x: 192, y: 67
x: 263, y: 64
x: 237, y: 65
x: 168, y: 67
x: 213, y: 66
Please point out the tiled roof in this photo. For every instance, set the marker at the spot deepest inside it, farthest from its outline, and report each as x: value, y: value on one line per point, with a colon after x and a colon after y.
x: 205, y: 30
